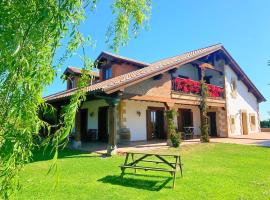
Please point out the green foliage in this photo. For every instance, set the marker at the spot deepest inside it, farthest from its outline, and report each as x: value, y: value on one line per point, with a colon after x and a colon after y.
x: 265, y: 124
x: 30, y: 34
x: 174, y: 136
x: 127, y: 12
x: 176, y: 139
x: 203, y: 110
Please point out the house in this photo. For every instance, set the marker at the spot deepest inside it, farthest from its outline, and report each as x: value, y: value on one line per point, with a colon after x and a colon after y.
x: 127, y: 100
x: 73, y: 74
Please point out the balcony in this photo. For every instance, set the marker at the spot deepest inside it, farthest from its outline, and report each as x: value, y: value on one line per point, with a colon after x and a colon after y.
x: 189, y: 86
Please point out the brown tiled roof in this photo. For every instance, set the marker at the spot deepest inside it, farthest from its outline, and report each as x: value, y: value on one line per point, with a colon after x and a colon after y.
x: 122, y: 58
x: 119, y: 82
x: 76, y: 70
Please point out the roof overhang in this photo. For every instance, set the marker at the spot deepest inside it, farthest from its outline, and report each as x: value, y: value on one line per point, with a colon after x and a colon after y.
x: 77, y: 72
x: 118, y: 59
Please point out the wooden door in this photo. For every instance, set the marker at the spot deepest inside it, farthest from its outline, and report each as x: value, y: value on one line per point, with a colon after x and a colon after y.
x: 103, y: 124
x: 184, y: 119
x: 148, y: 125
x: 155, y: 123
x: 244, y: 123
x: 160, y: 133
x: 212, y: 124
x: 83, y: 124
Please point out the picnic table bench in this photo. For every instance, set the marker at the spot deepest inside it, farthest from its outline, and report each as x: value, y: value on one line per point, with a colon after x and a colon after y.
x: 162, y: 159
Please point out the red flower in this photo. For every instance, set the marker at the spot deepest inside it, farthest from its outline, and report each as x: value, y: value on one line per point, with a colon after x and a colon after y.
x: 191, y: 86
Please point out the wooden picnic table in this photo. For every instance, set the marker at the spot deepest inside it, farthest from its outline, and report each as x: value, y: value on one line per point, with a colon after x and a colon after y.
x: 162, y: 159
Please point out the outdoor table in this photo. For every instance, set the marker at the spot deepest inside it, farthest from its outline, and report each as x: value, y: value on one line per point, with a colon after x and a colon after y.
x: 189, y: 132
x: 162, y: 159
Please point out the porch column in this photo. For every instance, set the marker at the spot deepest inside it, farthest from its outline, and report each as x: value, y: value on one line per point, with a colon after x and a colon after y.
x: 112, y: 144
x: 77, y: 143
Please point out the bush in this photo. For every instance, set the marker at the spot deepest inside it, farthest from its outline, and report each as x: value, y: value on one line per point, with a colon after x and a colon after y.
x: 176, y: 139
x: 265, y: 124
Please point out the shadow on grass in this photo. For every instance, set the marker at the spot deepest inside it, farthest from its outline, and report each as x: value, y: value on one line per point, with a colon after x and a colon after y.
x: 43, y: 155
x: 142, y: 183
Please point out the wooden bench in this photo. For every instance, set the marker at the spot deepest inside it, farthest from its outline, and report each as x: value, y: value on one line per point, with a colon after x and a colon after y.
x: 173, y: 166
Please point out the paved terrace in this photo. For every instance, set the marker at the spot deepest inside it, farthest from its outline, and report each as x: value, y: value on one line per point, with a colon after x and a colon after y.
x: 258, y: 139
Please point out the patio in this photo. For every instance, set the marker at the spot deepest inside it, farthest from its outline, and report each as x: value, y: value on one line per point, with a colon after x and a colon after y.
x: 101, y: 147
x: 258, y: 139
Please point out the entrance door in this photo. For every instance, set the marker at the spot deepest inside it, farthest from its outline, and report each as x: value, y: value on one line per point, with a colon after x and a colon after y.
x: 83, y: 121
x: 103, y: 124
x: 212, y: 124
x: 244, y: 123
x: 155, y: 123
x: 184, y: 119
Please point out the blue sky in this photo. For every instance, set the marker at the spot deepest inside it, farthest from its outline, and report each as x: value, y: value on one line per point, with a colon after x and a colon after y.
x: 177, y: 26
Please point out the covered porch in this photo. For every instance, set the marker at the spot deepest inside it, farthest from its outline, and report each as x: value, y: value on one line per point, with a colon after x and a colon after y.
x: 136, y: 121
x: 258, y: 139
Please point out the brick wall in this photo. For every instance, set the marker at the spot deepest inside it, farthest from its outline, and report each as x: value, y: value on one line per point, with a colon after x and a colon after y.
x: 151, y: 87
x: 118, y: 69
x: 265, y: 129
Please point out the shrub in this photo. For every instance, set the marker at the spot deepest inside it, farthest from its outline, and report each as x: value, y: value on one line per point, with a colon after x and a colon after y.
x: 176, y: 139
x: 173, y: 135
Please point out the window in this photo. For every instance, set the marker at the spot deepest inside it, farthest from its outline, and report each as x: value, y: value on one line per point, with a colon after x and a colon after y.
x: 107, y: 73
x: 252, y: 122
x: 181, y: 76
x: 71, y: 83
x: 232, y: 123
x: 233, y: 88
x: 207, y: 79
x: 234, y: 85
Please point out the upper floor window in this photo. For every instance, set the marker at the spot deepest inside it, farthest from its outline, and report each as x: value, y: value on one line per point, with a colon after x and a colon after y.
x: 107, y: 73
x: 233, y: 88
x: 71, y: 83
x: 207, y: 79
x: 232, y: 120
x: 252, y: 122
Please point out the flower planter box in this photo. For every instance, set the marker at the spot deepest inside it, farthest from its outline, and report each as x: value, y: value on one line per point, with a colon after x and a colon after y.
x: 188, y: 86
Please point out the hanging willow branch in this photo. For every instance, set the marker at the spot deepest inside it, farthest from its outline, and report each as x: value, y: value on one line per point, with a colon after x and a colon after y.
x: 30, y: 33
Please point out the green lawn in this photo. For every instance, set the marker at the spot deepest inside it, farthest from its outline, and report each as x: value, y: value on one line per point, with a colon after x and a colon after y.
x: 211, y: 171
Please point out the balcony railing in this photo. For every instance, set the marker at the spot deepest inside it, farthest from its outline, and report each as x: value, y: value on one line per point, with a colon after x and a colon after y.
x: 189, y: 86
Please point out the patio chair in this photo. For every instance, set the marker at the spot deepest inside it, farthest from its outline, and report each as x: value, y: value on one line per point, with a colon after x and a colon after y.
x: 188, y: 132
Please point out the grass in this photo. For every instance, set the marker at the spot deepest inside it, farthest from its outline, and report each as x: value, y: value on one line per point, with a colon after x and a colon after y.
x: 211, y: 171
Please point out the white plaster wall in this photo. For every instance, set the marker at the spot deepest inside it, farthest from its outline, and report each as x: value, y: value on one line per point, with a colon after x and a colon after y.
x: 92, y: 107
x: 244, y: 101
x: 196, y: 117
x: 136, y: 123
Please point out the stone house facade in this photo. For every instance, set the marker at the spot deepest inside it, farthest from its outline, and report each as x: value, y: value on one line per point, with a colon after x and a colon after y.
x: 128, y: 98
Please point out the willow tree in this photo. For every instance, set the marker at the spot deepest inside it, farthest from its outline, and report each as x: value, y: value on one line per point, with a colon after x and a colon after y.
x: 31, y: 31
